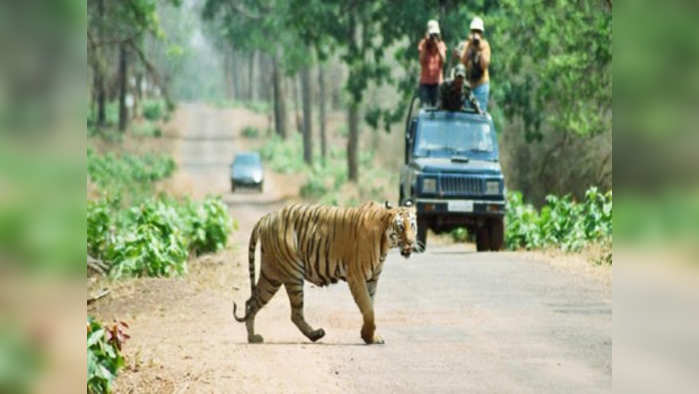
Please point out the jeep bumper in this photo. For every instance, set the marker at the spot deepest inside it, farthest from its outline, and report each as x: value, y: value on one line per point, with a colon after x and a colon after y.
x: 459, y: 207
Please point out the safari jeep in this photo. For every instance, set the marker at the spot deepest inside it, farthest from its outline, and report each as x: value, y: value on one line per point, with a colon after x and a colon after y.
x: 452, y: 173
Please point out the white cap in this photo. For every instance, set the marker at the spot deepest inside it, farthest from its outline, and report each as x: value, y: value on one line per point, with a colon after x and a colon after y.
x: 433, y: 27
x: 477, y: 24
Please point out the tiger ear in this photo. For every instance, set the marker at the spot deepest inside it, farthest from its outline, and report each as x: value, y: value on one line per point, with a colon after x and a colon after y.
x: 408, y: 203
x: 388, y: 205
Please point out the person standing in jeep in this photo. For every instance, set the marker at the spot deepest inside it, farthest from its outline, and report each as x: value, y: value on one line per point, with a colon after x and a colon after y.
x: 476, y: 58
x: 433, y: 52
x: 455, y: 93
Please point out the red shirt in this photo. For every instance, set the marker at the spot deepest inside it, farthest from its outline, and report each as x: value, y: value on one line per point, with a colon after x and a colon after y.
x: 431, y: 61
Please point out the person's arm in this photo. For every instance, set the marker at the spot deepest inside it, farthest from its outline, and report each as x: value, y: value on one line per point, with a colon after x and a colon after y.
x: 442, y: 49
x: 423, y: 52
x: 485, y: 55
x: 464, y: 60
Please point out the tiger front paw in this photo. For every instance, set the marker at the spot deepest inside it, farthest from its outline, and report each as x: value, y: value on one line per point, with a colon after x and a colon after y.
x: 370, y: 337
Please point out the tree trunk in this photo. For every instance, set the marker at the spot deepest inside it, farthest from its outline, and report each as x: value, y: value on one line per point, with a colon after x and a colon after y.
x: 101, y: 97
x: 279, y: 99
x: 138, y: 97
x: 235, y: 74
x: 228, y: 72
x: 295, y: 93
x: 352, y: 141
x: 307, y: 117
x: 263, y: 77
x: 99, y: 72
x: 322, y: 117
x: 251, y: 73
x: 123, y: 81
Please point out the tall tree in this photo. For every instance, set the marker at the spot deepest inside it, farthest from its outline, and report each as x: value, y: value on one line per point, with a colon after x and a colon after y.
x: 123, y: 82
x: 321, y: 113
x: 248, y: 24
x: 99, y: 68
x: 307, y: 115
x: 351, y: 26
x: 279, y: 97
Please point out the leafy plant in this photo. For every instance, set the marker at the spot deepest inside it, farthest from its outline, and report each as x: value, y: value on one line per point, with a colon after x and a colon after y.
x: 149, y: 243
x: 111, y: 171
x: 208, y: 225
x: 148, y: 129
x: 562, y: 222
x: 154, y: 109
x: 251, y: 132
x: 459, y: 234
x: 104, y: 357
x: 155, y: 237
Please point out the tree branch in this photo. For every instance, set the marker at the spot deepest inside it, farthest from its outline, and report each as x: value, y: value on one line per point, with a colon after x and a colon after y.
x: 238, y: 8
x: 152, y: 71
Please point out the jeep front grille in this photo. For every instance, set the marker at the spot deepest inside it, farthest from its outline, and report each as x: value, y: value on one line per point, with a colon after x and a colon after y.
x: 460, y: 185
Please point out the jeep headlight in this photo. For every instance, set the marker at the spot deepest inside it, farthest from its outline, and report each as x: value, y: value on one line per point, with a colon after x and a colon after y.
x: 492, y: 187
x: 429, y: 185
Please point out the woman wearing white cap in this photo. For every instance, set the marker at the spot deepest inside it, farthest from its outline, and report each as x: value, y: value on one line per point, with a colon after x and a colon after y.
x: 476, y: 58
x: 433, y: 52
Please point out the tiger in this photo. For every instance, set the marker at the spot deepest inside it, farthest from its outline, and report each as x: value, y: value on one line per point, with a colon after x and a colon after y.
x: 321, y: 245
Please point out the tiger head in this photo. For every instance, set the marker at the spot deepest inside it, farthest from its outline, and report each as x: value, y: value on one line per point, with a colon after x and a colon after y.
x: 402, y: 230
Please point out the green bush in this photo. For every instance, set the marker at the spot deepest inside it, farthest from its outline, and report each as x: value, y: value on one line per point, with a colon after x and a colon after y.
x: 260, y: 107
x: 314, y: 187
x: 459, y: 234
x: 110, y: 170
x: 284, y: 156
x: 155, y: 237
x: 148, y: 129
x: 149, y: 241
x: 208, y: 225
x: 250, y: 132
x: 104, y: 357
x: 111, y: 116
x: 562, y: 222
x: 154, y: 109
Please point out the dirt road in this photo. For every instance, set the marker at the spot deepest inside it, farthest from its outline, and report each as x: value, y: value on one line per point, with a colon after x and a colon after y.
x: 453, y: 320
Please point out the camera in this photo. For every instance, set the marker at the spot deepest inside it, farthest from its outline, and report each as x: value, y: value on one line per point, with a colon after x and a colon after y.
x: 476, y: 41
x: 434, y: 36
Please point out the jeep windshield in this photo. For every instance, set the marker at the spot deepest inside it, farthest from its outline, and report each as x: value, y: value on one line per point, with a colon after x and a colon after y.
x: 454, y: 137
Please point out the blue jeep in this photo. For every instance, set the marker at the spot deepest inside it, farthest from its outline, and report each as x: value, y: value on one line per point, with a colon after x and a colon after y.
x: 452, y: 173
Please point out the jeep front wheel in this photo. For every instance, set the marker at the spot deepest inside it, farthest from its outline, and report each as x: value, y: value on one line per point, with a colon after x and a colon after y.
x: 421, y: 234
x: 497, y: 233
x: 483, y: 238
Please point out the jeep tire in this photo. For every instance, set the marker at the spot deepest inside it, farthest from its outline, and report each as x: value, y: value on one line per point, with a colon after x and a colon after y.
x: 483, y: 238
x: 496, y: 228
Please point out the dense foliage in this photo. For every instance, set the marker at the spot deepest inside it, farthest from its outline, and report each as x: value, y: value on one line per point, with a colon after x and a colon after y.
x: 155, y: 237
x: 562, y: 222
x: 325, y: 180
x: 110, y: 170
x: 250, y: 132
x: 155, y: 109
x: 104, y: 357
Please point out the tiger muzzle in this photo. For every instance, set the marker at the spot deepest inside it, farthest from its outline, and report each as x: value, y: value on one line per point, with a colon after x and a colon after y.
x: 406, y: 250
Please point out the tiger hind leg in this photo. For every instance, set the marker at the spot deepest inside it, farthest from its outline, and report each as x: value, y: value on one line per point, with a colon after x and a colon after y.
x: 295, y: 293
x: 264, y: 291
